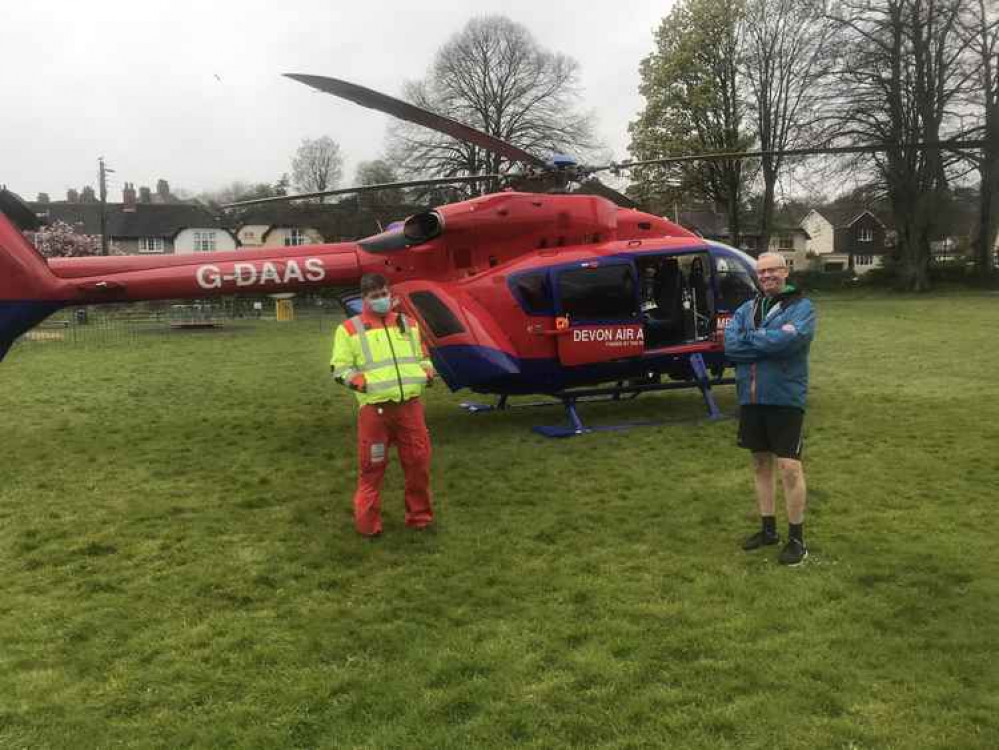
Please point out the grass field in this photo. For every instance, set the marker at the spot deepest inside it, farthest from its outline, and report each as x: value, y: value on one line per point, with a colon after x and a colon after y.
x: 178, y: 565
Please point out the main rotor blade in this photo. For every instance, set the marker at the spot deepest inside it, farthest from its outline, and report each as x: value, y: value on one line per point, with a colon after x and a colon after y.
x: 367, y: 189
x: 405, y: 111
x: 871, y: 148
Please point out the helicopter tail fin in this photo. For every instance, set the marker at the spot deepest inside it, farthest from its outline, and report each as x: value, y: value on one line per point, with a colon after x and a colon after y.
x: 28, y: 288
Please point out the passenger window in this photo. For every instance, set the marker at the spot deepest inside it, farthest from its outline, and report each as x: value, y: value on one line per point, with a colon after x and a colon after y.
x: 534, y: 292
x: 441, y: 320
x: 601, y: 293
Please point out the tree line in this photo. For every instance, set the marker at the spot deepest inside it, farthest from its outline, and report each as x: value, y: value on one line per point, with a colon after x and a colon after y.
x: 766, y: 75
x: 789, y: 74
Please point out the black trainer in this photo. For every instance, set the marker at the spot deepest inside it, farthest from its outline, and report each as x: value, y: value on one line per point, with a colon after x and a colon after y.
x: 760, y: 539
x: 794, y: 553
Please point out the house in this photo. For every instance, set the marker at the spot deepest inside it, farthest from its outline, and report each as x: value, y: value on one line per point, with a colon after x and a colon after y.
x: 142, y: 226
x: 277, y: 235
x: 790, y: 241
x: 786, y: 237
x: 279, y: 226
x: 284, y: 225
x: 841, y: 237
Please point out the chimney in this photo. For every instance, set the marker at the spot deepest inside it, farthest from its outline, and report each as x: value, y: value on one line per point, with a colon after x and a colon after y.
x: 145, y: 195
x: 128, y: 196
x: 72, y: 196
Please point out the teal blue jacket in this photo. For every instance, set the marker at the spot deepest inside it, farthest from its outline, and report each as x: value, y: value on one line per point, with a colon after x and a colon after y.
x: 771, y: 364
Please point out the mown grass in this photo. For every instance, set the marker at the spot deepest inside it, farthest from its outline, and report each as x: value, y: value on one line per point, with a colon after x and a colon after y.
x: 178, y: 565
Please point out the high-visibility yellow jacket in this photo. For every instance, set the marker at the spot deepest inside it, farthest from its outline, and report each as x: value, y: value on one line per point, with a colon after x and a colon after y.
x: 381, y: 359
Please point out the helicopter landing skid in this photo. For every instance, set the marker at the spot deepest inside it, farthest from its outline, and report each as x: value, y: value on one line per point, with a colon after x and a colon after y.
x: 570, y: 399
x: 701, y: 381
x: 619, y: 394
x: 576, y: 426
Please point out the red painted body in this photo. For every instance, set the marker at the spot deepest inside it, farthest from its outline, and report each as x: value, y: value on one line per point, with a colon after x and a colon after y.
x: 464, y: 253
x: 479, y: 234
x: 379, y: 428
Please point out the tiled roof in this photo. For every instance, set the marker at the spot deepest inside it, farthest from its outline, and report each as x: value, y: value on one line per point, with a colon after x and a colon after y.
x: 147, y: 220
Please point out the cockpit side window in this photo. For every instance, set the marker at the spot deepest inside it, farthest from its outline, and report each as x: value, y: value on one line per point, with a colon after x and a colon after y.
x: 735, y: 284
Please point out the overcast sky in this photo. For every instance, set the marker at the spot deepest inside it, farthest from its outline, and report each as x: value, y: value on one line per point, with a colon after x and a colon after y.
x: 192, y: 91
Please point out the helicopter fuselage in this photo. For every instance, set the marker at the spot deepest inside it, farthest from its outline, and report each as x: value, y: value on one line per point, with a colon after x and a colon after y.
x: 516, y: 292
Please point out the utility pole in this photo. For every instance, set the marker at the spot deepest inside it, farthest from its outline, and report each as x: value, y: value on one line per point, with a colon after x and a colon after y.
x: 103, y: 183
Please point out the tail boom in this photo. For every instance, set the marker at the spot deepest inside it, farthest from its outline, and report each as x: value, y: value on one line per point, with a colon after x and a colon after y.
x: 31, y: 288
x: 270, y: 271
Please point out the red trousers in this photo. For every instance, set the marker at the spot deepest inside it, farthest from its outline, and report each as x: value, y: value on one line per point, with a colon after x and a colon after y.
x: 379, y: 426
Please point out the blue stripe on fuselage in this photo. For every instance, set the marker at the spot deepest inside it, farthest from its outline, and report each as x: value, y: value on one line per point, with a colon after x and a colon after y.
x: 490, y: 370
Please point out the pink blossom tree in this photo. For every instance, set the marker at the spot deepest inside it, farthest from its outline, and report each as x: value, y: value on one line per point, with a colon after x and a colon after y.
x: 61, y: 240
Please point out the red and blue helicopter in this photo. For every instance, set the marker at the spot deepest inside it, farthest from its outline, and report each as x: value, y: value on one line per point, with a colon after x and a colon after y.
x: 569, y: 295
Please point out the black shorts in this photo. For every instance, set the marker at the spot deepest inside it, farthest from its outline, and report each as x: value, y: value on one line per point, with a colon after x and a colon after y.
x: 772, y: 429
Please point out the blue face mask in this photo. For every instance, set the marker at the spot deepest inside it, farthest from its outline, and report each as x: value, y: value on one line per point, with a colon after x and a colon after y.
x: 380, y: 305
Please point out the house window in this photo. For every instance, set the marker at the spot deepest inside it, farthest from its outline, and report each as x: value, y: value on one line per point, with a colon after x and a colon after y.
x: 863, y: 260
x: 866, y: 234
x: 295, y: 238
x: 790, y: 264
x: 786, y: 242
x: 150, y: 244
x: 204, y: 242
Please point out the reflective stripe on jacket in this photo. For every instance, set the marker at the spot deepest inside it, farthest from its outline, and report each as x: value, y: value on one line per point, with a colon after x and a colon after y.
x: 387, y: 351
x: 771, y: 364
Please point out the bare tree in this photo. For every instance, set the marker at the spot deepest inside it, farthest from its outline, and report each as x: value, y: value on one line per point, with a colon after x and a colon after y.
x: 378, y: 172
x: 317, y: 165
x: 980, y: 28
x: 693, y: 103
x: 493, y: 76
x: 785, y: 63
x: 240, y: 191
x: 902, y: 76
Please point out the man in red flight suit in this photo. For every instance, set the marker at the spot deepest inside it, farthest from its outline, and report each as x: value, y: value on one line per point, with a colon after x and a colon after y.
x: 379, y: 355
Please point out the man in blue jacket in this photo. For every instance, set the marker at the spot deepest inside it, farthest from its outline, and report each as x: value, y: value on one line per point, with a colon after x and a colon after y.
x: 768, y: 338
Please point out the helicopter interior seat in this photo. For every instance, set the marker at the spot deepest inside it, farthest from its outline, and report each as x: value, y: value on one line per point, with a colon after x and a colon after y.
x: 698, y: 283
x: 664, y: 321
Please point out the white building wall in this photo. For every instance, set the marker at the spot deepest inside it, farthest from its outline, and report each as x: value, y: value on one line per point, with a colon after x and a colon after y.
x: 184, y: 242
x: 821, y: 232
x: 277, y: 237
x: 796, y: 255
x: 252, y: 235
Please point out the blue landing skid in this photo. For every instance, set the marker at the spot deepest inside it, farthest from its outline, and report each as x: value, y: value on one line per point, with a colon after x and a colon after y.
x: 569, y: 400
x: 576, y: 426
